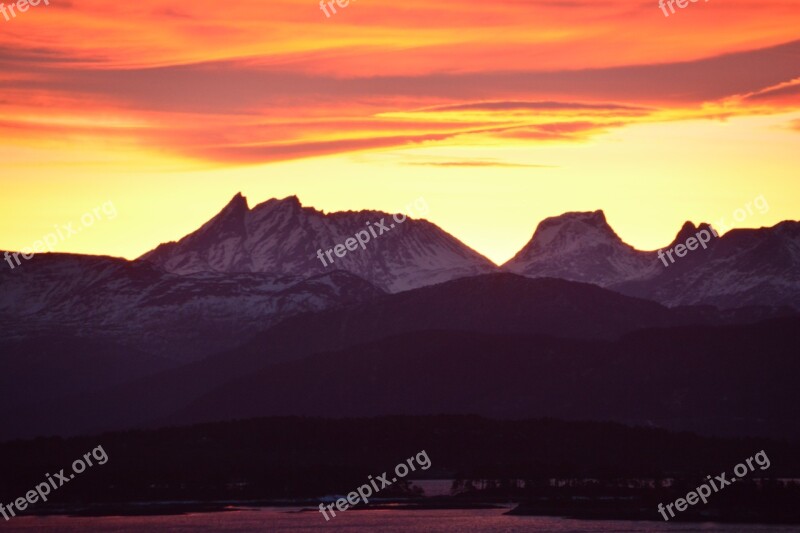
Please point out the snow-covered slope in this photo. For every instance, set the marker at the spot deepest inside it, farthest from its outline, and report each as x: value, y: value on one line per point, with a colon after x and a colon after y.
x: 281, y: 237
x: 138, y: 304
x: 742, y: 268
x: 580, y: 247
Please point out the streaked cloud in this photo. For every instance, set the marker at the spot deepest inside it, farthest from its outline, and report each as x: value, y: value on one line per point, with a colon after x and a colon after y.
x: 475, y: 163
x: 242, y: 111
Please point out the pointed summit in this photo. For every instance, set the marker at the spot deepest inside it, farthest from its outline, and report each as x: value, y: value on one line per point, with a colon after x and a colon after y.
x: 237, y: 202
x: 229, y: 220
x: 226, y: 226
x: 689, y: 230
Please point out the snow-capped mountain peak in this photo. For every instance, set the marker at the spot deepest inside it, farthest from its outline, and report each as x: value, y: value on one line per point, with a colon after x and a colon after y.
x: 571, y: 231
x: 689, y: 230
x: 282, y: 237
x: 578, y: 246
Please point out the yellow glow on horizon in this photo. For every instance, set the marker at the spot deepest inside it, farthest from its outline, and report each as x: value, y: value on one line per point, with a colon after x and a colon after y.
x: 648, y: 178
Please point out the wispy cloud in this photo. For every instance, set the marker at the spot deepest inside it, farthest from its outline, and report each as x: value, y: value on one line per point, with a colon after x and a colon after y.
x: 475, y: 163
x: 535, y: 106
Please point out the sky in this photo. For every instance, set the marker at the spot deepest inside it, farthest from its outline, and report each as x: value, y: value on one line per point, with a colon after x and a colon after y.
x: 499, y: 114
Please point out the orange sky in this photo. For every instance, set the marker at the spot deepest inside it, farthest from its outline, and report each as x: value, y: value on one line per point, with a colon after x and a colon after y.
x: 498, y: 113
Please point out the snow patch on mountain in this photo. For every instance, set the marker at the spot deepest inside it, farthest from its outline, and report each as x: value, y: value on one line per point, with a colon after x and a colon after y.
x: 745, y: 267
x: 580, y: 246
x: 281, y: 237
x: 178, y: 317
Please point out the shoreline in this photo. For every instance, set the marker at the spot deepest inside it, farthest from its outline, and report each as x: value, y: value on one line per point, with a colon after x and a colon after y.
x: 596, y: 510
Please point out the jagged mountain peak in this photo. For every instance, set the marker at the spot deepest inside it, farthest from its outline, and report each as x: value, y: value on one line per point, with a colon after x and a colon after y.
x: 282, y: 237
x: 239, y: 204
x: 229, y: 222
x: 290, y: 202
x: 689, y: 230
x: 239, y: 201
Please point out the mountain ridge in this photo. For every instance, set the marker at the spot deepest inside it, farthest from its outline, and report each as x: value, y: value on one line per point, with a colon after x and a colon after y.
x: 282, y: 236
x: 743, y: 267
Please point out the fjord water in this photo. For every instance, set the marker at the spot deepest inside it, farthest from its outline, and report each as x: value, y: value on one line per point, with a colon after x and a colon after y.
x: 386, y: 521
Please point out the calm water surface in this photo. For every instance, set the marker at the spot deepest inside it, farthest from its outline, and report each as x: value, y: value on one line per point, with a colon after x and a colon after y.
x: 389, y: 521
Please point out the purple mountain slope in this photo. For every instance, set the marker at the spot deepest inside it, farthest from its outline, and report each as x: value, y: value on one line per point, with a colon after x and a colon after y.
x: 580, y: 247
x: 136, y: 304
x: 744, y: 267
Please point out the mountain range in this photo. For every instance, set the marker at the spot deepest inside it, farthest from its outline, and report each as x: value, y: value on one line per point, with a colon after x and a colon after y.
x: 281, y: 237
x: 246, y: 268
x: 241, y: 318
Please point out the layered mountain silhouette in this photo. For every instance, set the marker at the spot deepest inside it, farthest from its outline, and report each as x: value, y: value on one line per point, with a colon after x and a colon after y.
x: 240, y: 318
x: 526, y: 312
x: 725, y: 381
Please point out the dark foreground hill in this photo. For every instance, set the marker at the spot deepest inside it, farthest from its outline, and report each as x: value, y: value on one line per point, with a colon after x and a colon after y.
x: 731, y: 380
x: 508, y: 346
x: 312, y: 457
x: 499, y: 304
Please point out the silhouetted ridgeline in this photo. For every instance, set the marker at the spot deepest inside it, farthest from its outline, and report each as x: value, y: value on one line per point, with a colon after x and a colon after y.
x: 297, y: 458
